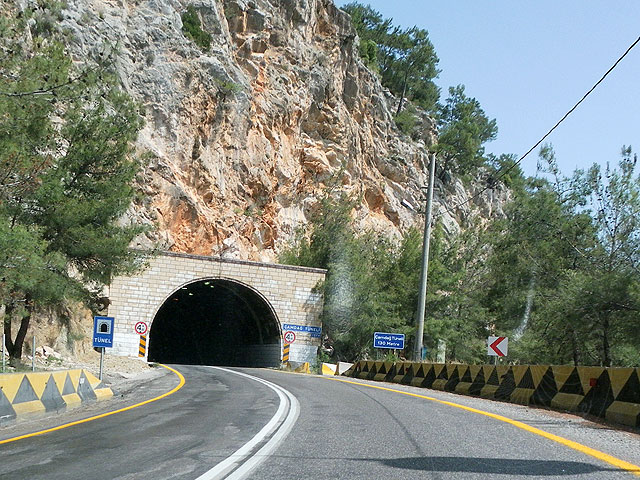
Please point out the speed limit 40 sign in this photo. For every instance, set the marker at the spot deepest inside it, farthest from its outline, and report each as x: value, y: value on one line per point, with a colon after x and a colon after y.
x: 141, y: 328
x: 289, y: 337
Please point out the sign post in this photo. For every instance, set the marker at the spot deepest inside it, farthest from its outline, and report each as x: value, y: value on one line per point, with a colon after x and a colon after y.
x: 102, y: 336
x: 142, y: 348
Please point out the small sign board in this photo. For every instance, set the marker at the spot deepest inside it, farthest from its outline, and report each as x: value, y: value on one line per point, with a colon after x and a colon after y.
x: 497, y: 346
x: 316, y: 332
x: 289, y: 337
x: 388, y: 340
x: 141, y: 328
x: 103, y: 331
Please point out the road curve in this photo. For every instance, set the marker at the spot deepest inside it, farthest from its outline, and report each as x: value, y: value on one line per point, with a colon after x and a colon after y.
x: 357, y: 430
x: 183, y: 436
x: 342, y: 430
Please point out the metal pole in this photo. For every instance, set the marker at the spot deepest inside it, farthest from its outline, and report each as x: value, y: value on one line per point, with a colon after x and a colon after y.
x: 33, y: 354
x: 3, y: 365
x: 425, y: 261
x: 101, y: 361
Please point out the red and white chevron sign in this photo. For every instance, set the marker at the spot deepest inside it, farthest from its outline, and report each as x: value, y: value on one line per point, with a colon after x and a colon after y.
x: 497, y: 346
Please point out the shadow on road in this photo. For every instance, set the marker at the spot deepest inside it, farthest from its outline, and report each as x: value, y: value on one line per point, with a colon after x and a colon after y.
x: 504, y: 466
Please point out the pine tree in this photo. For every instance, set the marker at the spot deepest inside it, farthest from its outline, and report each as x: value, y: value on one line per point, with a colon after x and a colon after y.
x: 66, y: 172
x: 464, y: 129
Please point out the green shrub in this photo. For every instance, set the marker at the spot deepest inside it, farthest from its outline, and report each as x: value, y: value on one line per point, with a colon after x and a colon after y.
x: 406, y: 121
x: 192, y: 28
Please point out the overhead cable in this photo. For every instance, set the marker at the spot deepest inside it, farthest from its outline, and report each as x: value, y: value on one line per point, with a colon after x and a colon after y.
x: 515, y: 164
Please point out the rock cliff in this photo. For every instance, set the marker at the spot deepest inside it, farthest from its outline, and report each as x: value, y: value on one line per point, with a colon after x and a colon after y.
x: 245, y: 136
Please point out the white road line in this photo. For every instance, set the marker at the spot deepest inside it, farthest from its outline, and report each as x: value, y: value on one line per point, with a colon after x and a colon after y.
x: 281, y: 423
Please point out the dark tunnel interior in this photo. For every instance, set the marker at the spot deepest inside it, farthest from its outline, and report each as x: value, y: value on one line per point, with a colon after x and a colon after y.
x: 215, y: 322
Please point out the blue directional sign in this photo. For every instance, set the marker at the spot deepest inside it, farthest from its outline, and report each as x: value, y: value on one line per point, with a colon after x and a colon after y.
x: 388, y: 340
x: 103, y: 331
x: 315, y: 332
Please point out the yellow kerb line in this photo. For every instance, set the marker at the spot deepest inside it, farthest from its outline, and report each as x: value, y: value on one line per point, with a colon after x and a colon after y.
x: 630, y: 467
x: 102, y: 415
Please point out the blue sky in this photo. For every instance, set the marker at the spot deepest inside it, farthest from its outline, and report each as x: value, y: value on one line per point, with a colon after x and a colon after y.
x: 528, y: 63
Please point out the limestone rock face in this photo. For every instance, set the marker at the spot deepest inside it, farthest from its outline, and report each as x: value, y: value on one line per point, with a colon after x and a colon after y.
x: 244, y: 138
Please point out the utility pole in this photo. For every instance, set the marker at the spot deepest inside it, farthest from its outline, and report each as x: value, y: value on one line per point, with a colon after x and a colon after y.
x: 425, y: 261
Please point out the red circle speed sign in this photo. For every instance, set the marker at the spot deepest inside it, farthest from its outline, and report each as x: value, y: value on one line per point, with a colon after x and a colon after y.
x: 289, y: 336
x: 141, y: 328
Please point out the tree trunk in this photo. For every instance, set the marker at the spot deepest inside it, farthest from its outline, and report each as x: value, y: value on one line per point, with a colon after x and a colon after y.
x: 404, y: 91
x: 7, y: 327
x: 574, y: 348
x: 606, y: 360
x: 15, y: 353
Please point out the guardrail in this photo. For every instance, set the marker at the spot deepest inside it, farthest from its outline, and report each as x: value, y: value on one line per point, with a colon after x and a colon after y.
x: 29, y: 393
x: 610, y: 393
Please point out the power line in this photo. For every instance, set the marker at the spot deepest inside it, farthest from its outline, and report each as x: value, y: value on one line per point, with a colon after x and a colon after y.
x: 515, y: 164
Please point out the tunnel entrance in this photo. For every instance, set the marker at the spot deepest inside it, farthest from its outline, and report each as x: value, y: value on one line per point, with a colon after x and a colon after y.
x: 215, y: 322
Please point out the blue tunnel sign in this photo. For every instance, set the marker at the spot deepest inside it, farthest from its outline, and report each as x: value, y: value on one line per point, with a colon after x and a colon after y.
x: 388, y: 340
x: 103, y: 331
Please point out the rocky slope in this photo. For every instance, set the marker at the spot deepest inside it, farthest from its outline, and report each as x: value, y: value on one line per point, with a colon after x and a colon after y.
x: 245, y: 137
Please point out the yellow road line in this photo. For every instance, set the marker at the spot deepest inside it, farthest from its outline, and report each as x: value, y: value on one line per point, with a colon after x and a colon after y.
x: 102, y: 415
x: 616, y: 462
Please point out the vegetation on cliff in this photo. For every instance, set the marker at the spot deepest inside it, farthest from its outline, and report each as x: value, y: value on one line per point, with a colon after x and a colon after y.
x: 407, y: 63
x: 192, y: 28
x: 558, y: 273
x: 66, y: 172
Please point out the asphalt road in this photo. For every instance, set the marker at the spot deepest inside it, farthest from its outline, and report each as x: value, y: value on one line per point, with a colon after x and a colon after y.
x: 341, y: 431
x: 349, y: 431
x: 178, y: 437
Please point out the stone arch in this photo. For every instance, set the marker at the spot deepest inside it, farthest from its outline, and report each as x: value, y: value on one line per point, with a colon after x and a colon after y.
x: 290, y: 291
x: 216, y: 321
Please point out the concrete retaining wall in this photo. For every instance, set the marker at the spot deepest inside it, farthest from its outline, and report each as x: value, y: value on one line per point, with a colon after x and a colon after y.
x: 611, y: 393
x: 28, y: 393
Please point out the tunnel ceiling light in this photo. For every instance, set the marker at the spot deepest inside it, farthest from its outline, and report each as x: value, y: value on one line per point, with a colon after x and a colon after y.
x: 207, y: 283
x: 191, y: 294
x: 184, y: 288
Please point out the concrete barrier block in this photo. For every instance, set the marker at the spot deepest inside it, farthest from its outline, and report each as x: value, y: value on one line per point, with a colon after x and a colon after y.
x: 38, y: 392
x: 566, y: 401
x: 34, y: 406
x: 7, y: 413
x: 625, y: 413
x: 72, y: 400
x: 439, y: 384
x: 463, y: 388
x: 343, y: 367
x: 329, y: 368
x: 488, y: 391
x: 304, y: 368
x: 612, y: 393
x: 416, y: 381
x: 521, y: 396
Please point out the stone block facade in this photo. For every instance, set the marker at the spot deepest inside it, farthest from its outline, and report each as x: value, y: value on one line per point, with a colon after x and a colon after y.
x: 290, y: 291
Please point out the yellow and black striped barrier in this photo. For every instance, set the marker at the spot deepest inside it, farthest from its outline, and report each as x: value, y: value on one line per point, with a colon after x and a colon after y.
x: 39, y: 392
x: 611, y: 393
x: 285, y: 353
x: 142, y: 349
